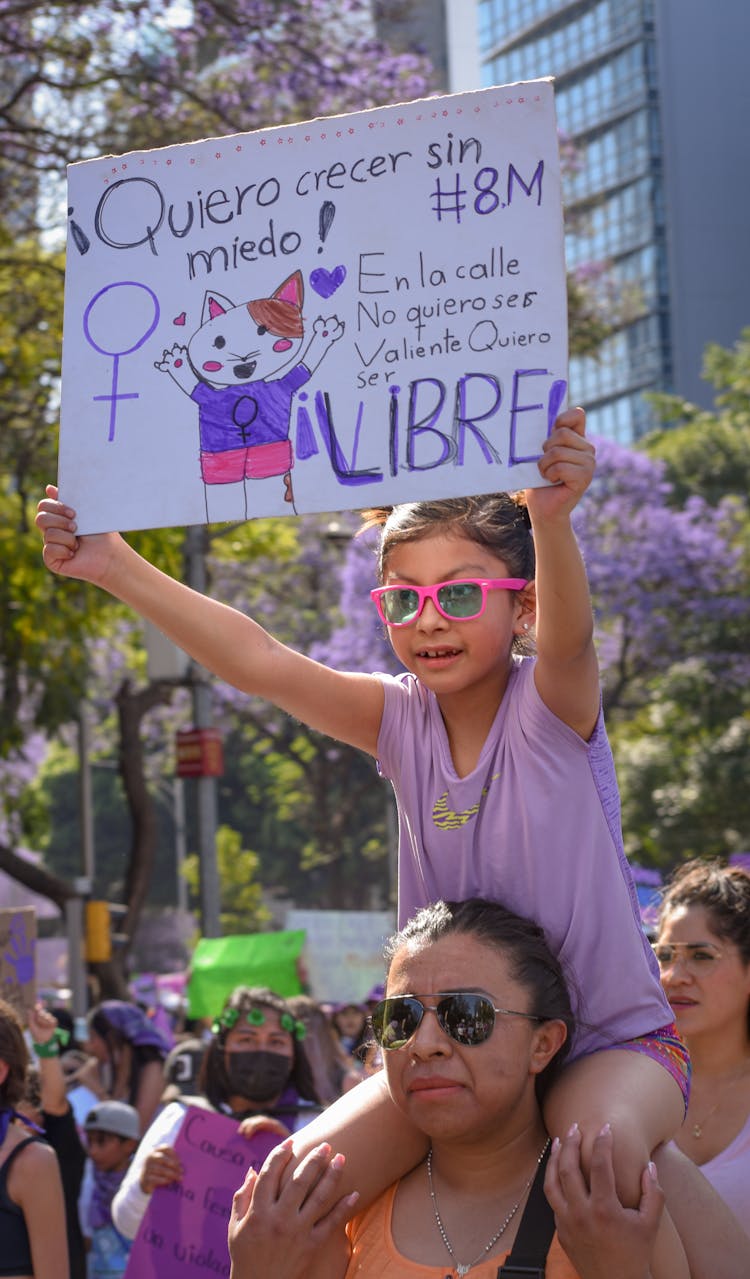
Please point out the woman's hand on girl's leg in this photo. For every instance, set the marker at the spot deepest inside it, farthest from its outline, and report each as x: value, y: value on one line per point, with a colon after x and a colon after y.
x: 601, y: 1237
x: 291, y: 1226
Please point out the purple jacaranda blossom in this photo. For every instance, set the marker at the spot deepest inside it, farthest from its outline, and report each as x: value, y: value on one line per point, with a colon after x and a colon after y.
x: 664, y: 579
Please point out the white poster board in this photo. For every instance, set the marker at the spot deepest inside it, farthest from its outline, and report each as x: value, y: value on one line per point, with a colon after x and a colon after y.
x: 343, y: 953
x: 355, y: 311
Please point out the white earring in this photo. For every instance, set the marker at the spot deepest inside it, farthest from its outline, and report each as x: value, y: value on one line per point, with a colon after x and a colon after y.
x: 525, y: 626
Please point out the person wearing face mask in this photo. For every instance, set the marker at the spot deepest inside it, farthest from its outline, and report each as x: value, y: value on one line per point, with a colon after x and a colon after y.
x: 254, y: 1070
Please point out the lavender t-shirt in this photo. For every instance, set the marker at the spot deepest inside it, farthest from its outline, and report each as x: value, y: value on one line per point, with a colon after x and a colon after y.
x: 536, y: 826
x: 729, y: 1174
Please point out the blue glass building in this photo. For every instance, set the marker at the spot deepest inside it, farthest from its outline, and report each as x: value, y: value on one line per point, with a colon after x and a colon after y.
x: 655, y: 96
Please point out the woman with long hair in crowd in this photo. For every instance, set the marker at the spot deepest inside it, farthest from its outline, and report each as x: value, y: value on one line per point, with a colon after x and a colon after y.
x: 32, y: 1210
x: 127, y: 1055
x: 703, y: 952
x: 334, y: 1072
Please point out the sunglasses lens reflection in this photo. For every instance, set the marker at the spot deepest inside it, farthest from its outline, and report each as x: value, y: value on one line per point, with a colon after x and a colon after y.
x: 400, y: 604
x: 394, y: 1021
x: 466, y: 1018
x: 461, y: 599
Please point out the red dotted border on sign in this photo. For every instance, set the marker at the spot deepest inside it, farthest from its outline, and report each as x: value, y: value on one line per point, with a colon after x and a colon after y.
x: 289, y: 139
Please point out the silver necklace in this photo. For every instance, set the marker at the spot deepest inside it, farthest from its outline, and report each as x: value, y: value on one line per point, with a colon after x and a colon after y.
x: 457, y: 1265
x: 699, y: 1125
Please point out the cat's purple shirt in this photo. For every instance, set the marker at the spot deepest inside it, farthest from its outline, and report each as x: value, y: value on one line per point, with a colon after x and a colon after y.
x: 231, y: 417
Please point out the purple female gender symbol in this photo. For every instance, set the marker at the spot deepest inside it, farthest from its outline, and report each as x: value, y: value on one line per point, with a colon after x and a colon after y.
x: 114, y: 395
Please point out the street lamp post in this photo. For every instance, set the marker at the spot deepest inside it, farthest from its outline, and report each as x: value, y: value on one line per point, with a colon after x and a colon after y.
x: 196, y: 545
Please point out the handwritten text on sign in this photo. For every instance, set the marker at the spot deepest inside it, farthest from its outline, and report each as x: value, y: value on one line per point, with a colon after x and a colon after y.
x: 184, y: 1228
x: 359, y: 310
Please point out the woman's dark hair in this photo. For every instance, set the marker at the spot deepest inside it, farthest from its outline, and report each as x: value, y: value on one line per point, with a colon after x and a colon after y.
x: 722, y: 891
x: 519, y: 940
x: 322, y: 1049
x: 14, y: 1053
x: 102, y: 1026
x: 213, y: 1080
x: 499, y: 522
x: 32, y: 1094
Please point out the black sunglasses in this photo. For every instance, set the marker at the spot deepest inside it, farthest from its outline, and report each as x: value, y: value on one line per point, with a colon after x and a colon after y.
x: 466, y: 1017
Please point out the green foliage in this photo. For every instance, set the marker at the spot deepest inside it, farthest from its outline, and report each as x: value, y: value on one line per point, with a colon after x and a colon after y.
x: 709, y: 452
x: 55, y: 794
x: 31, y: 294
x: 42, y: 629
x: 682, y: 759
x: 242, y: 909
x: 682, y: 765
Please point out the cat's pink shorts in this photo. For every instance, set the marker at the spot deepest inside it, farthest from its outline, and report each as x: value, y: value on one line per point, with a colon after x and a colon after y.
x: 254, y: 463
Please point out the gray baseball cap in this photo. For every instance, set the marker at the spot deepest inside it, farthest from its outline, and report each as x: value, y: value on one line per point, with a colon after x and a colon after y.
x: 115, y: 1117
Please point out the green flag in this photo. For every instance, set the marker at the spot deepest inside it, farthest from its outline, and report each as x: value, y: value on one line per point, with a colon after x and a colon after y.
x: 262, y: 959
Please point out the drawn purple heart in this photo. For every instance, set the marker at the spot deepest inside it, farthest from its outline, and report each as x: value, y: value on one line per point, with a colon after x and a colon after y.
x: 325, y: 282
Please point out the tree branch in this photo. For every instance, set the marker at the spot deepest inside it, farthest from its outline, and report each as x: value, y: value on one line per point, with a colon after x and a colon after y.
x: 36, y: 878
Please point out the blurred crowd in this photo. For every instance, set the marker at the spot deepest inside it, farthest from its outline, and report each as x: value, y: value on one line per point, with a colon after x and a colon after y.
x: 91, y: 1113
x: 110, y: 1098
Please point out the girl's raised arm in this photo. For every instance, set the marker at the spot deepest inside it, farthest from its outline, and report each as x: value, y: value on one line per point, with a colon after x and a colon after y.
x: 566, y: 673
x: 346, y: 706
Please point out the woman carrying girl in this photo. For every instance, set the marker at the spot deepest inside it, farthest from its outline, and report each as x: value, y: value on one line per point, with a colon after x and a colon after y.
x: 474, y: 1028
x: 501, y: 767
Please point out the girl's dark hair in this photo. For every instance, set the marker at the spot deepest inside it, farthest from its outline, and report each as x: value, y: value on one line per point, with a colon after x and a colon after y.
x: 519, y: 940
x: 213, y: 1080
x: 499, y: 522
x: 14, y: 1053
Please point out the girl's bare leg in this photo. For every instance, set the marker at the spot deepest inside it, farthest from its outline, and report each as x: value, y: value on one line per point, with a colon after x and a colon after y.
x: 632, y: 1093
x: 643, y: 1105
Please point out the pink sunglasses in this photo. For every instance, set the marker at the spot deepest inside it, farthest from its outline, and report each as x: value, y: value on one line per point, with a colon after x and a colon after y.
x: 463, y: 601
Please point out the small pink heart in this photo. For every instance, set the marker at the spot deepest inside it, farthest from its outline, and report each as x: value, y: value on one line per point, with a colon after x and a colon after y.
x: 179, y: 319
x: 178, y: 364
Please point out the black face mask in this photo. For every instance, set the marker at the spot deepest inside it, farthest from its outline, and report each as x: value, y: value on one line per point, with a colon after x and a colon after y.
x: 257, y: 1076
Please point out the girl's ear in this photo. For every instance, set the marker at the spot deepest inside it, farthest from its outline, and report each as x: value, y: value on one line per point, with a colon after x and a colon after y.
x: 548, y: 1040
x: 4, y: 1070
x: 525, y: 618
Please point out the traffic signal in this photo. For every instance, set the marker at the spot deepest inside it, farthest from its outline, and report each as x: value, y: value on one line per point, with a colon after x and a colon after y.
x: 98, y: 932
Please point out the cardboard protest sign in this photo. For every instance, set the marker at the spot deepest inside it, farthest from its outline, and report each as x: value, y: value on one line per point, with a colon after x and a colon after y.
x: 184, y: 1228
x: 18, y: 958
x: 262, y: 959
x: 355, y: 311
